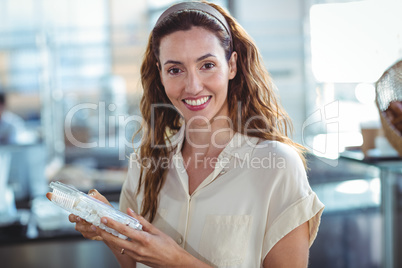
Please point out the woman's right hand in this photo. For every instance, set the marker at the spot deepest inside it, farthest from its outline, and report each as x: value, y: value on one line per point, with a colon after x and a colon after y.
x: 85, y: 228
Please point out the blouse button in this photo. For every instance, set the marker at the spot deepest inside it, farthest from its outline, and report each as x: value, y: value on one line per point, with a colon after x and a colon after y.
x: 180, y: 240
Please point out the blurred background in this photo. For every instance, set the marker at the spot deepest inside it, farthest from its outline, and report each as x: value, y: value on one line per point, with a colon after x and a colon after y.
x: 70, y: 77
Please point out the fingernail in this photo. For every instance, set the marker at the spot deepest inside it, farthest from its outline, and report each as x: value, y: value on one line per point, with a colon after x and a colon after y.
x: 132, y: 211
x: 104, y: 221
x: 92, y: 192
x: 78, y: 218
x: 93, y: 228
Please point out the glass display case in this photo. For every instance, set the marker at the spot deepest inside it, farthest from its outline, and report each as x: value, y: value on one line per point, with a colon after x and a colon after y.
x: 360, y: 222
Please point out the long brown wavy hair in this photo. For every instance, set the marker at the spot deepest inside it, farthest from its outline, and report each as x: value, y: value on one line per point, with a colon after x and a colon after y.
x: 251, y: 98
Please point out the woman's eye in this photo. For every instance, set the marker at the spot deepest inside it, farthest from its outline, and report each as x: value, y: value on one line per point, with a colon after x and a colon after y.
x: 208, y: 65
x: 174, y: 71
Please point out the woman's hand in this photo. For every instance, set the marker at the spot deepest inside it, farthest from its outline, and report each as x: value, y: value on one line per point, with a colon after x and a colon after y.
x: 85, y: 228
x: 150, y: 246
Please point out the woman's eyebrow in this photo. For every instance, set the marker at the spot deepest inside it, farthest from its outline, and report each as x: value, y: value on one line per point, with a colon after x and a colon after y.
x: 197, y: 60
x: 205, y: 56
x: 172, y: 62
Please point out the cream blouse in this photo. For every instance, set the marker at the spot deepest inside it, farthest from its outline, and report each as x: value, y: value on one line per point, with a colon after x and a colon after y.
x: 256, y: 195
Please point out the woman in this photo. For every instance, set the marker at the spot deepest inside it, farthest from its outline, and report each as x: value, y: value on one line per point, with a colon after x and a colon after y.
x: 216, y: 182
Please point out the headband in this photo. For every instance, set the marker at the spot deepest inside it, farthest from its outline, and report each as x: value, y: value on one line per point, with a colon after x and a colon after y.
x: 200, y: 7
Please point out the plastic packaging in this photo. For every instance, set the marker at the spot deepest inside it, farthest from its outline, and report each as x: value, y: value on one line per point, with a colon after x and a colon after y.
x: 89, y: 208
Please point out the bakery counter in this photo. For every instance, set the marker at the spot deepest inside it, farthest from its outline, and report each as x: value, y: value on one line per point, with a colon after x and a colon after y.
x: 42, y: 236
x: 360, y: 223
x: 64, y: 252
x: 40, y: 220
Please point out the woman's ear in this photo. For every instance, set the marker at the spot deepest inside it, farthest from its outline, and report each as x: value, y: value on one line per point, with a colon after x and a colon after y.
x: 233, y: 65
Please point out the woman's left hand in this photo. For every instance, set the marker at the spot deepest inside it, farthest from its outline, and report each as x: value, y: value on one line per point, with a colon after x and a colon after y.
x: 150, y: 246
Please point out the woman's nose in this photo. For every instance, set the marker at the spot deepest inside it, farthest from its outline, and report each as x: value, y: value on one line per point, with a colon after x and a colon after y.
x: 194, y: 83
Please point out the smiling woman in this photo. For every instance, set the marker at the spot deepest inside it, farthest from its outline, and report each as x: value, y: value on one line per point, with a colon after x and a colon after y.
x: 216, y: 181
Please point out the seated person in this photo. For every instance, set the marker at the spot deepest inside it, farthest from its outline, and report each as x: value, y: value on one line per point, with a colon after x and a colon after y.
x: 10, y: 123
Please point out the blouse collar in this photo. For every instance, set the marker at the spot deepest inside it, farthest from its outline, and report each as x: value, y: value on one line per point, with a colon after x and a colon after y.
x: 239, y: 146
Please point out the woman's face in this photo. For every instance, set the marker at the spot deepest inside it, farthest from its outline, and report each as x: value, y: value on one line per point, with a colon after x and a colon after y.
x: 196, y: 74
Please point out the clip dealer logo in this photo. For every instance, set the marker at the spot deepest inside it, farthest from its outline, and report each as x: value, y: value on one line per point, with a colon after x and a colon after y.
x: 325, y: 121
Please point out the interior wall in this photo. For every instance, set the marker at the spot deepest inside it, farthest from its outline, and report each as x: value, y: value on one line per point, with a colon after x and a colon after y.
x: 277, y: 29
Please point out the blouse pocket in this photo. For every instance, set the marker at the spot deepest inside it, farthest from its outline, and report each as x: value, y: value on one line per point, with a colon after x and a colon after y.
x: 224, y: 239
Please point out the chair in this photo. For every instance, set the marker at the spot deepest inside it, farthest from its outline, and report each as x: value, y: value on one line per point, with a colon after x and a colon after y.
x: 8, y: 210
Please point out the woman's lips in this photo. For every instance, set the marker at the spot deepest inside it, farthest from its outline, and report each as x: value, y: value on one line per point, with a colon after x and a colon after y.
x: 197, y: 104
